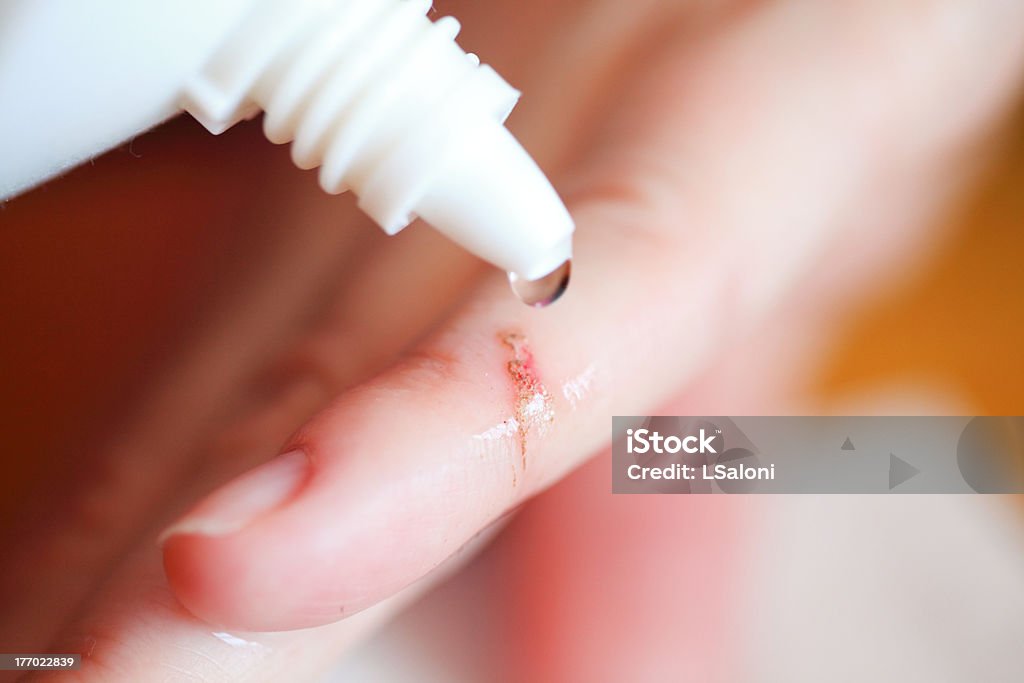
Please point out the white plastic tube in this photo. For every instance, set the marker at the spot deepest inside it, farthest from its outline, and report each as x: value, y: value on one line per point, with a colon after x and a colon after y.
x: 371, y: 91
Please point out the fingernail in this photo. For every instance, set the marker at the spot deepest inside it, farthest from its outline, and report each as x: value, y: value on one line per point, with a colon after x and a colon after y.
x: 240, y: 502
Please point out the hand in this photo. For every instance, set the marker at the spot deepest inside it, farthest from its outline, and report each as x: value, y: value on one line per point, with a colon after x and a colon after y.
x: 727, y: 168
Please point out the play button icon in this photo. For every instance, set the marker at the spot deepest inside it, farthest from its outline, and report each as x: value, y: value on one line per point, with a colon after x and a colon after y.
x: 899, y: 471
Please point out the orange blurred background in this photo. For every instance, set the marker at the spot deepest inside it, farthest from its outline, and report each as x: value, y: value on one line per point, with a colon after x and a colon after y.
x: 959, y: 324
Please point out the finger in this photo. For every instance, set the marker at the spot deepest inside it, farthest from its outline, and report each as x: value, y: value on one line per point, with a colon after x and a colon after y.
x: 132, y: 629
x: 397, y: 474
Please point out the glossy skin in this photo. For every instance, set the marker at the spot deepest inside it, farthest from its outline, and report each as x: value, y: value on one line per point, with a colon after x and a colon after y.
x: 737, y: 172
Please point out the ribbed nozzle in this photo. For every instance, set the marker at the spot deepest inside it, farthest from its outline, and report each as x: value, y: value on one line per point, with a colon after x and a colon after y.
x: 389, y: 106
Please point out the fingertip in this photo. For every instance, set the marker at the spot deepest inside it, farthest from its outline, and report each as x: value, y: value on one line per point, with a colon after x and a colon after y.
x: 400, y: 473
x: 206, y: 578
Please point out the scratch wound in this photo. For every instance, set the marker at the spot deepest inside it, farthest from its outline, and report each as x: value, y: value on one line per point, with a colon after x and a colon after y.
x: 534, y: 408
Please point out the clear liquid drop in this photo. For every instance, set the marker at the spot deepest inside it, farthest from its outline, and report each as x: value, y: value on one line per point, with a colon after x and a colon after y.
x: 546, y: 290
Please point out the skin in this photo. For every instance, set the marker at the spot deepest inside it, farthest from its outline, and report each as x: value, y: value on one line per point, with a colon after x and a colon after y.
x: 738, y: 172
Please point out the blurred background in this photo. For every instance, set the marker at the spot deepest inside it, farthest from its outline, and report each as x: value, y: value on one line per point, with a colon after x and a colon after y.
x: 116, y: 272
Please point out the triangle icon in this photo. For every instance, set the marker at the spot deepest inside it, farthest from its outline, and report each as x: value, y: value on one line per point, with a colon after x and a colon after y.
x: 847, y: 445
x: 899, y: 471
